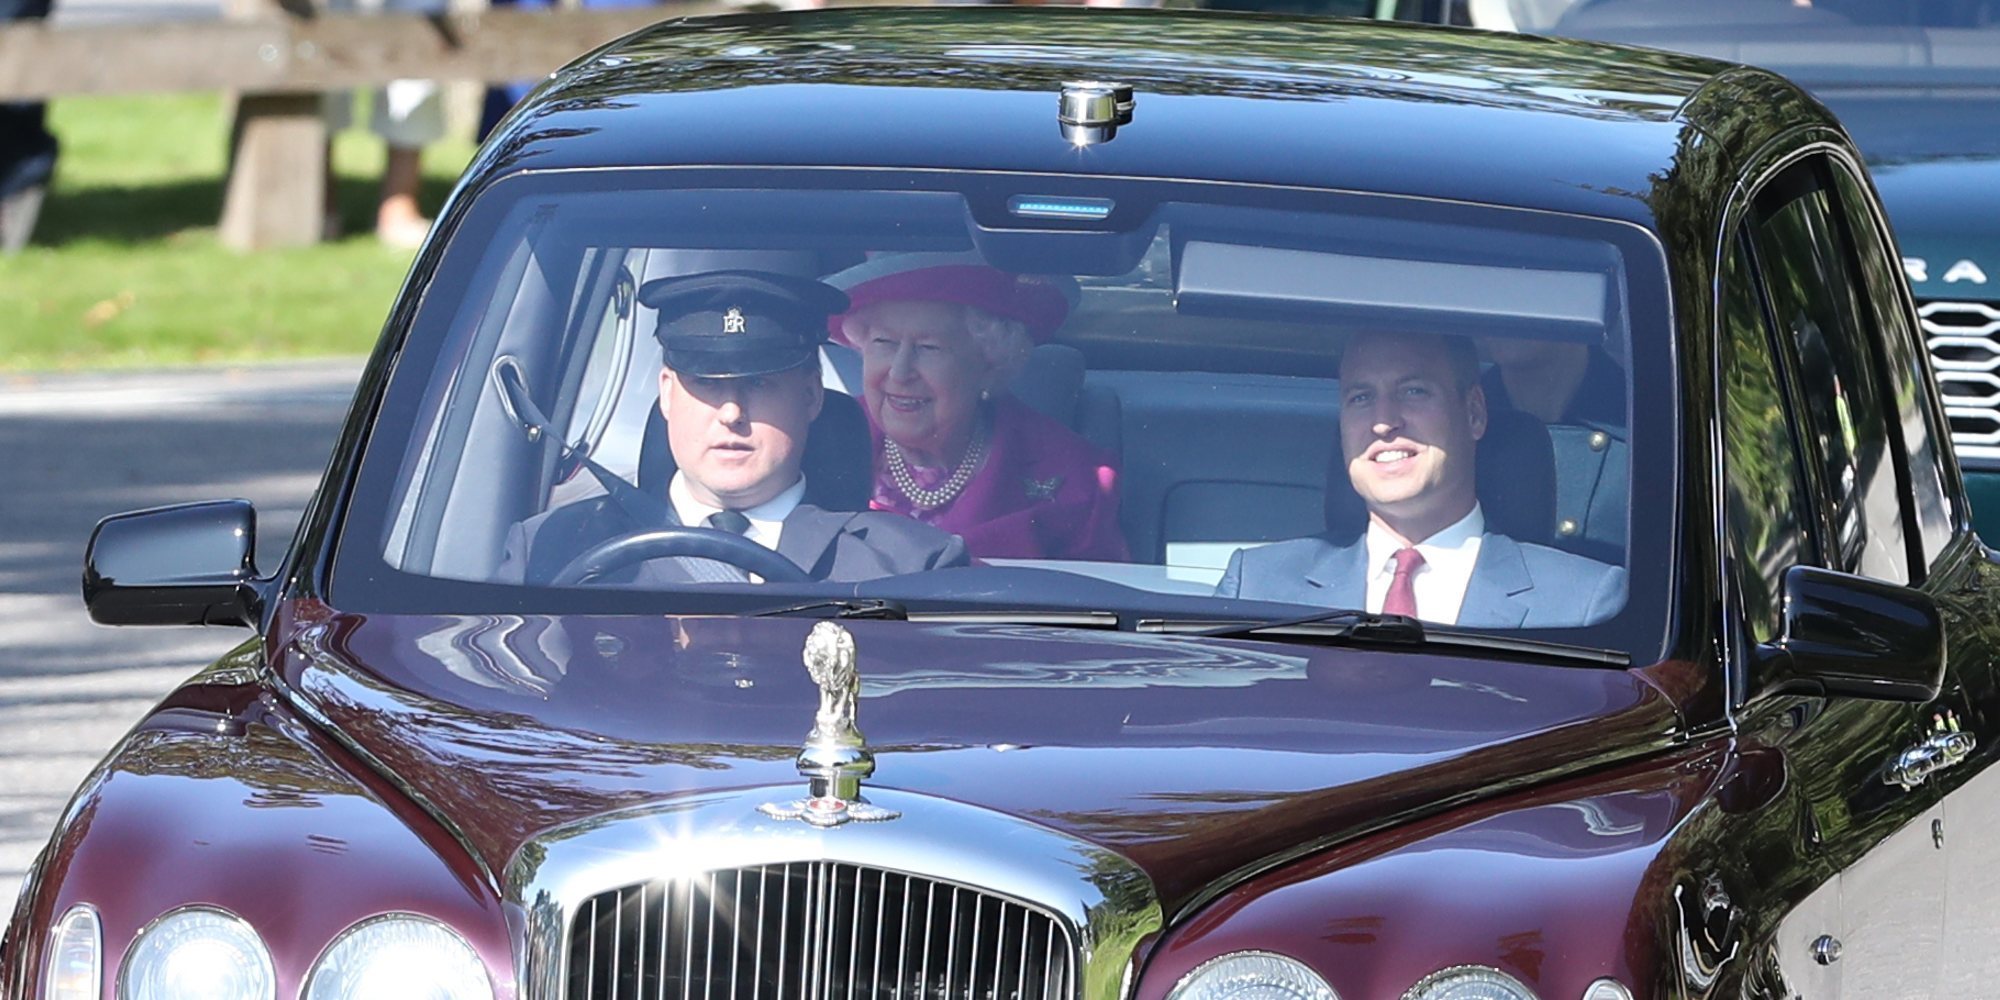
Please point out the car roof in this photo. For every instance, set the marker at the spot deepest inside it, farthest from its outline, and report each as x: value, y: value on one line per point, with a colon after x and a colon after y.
x: 1320, y: 102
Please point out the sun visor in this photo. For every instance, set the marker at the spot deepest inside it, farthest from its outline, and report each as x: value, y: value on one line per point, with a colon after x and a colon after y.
x: 1354, y: 291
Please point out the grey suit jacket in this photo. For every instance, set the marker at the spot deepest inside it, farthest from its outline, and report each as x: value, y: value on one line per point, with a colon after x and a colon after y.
x: 840, y: 546
x: 1513, y: 585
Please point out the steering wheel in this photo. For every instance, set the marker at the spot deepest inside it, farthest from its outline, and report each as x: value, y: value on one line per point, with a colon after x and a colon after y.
x: 659, y: 543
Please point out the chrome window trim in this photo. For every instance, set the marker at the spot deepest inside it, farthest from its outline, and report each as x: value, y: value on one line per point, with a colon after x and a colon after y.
x: 1936, y: 414
x: 1735, y: 215
x: 1106, y: 903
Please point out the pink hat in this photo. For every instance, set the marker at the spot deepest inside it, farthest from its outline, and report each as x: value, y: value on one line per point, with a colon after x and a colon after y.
x: 1038, y: 302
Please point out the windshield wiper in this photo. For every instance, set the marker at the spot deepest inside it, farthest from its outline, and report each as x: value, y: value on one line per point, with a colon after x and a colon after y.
x: 1392, y: 630
x: 871, y: 608
x: 1342, y: 623
x: 887, y: 610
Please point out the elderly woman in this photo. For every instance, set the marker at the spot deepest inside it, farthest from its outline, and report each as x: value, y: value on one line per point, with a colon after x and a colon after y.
x: 940, y: 337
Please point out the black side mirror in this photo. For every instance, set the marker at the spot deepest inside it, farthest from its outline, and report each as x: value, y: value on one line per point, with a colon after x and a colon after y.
x: 191, y: 564
x: 1849, y: 635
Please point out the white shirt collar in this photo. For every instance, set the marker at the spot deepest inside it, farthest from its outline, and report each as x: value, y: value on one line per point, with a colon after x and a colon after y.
x: 767, y: 519
x: 1449, y: 556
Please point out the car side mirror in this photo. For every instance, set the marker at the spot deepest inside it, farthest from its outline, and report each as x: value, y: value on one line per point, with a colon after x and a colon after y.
x: 190, y: 564
x: 1849, y: 635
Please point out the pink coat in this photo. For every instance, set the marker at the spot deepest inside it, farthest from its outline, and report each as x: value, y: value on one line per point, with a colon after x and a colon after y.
x: 1043, y: 493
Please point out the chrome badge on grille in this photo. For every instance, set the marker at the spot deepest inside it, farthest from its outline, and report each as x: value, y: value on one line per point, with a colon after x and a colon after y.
x: 835, y: 757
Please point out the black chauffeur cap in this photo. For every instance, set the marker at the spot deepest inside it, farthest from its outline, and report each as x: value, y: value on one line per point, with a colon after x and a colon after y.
x: 732, y: 324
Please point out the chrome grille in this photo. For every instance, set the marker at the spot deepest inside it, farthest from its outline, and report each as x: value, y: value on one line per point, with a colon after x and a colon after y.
x: 1964, y: 341
x: 814, y: 930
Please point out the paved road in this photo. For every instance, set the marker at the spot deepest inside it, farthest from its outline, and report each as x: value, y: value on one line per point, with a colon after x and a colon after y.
x: 74, y: 449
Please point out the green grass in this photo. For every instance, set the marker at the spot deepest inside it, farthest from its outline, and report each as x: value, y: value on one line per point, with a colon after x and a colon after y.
x: 125, y: 269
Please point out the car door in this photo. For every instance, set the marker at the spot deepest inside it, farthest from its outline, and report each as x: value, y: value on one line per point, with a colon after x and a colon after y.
x: 1958, y: 573
x: 1769, y: 523
x: 1873, y: 813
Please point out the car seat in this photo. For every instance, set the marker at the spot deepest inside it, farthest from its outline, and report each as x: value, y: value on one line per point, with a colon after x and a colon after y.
x: 1052, y: 382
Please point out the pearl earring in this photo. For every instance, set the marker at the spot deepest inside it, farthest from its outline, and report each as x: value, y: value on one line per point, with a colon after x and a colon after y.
x: 985, y: 395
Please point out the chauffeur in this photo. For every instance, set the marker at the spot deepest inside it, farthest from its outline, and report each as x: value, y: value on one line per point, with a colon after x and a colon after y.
x: 739, y: 388
x: 1411, y: 413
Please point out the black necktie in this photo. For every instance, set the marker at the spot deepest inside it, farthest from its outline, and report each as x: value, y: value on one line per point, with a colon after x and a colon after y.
x: 731, y: 521
x: 709, y: 570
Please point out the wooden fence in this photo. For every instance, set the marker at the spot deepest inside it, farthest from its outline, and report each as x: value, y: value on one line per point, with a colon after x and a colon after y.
x: 280, y: 55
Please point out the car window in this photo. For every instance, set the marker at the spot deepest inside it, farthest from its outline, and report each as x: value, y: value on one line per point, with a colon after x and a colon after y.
x: 602, y: 347
x: 1888, y: 315
x: 1764, y: 486
x: 1803, y: 260
x: 1180, y: 430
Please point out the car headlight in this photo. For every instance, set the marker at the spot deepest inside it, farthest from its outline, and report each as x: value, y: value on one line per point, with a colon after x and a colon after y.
x: 1252, y: 975
x: 198, y: 952
x: 76, y: 957
x: 1469, y: 982
x: 400, y: 955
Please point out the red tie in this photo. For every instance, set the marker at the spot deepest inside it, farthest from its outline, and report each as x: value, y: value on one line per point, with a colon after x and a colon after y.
x: 1402, y: 596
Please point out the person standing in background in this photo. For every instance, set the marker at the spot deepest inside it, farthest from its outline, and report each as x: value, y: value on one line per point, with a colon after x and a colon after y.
x: 500, y: 98
x: 27, y: 149
x: 408, y: 115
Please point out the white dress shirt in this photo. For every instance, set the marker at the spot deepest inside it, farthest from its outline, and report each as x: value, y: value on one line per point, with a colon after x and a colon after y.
x: 1440, y: 582
x: 767, y: 519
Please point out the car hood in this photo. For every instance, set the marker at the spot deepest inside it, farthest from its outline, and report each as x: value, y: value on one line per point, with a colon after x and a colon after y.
x: 1193, y: 757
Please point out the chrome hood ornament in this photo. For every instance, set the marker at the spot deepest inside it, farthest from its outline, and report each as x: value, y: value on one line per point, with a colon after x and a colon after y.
x: 835, y: 758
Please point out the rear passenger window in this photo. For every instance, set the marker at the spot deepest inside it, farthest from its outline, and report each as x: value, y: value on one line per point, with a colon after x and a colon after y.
x: 1764, y: 487
x: 1804, y: 262
x: 1915, y: 412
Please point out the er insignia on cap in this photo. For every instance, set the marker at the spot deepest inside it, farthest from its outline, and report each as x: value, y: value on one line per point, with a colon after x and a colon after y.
x: 740, y: 323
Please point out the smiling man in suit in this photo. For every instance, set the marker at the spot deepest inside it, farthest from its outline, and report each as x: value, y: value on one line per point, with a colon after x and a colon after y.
x: 1411, y: 416
x: 740, y: 389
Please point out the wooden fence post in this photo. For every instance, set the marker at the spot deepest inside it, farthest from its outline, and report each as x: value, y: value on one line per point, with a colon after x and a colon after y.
x: 276, y: 192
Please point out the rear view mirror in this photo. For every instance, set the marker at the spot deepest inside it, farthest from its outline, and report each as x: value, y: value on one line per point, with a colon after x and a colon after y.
x: 192, y: 564
x: 1849, y: 635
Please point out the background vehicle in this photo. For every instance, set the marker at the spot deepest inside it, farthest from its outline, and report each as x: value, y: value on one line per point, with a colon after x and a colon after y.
x: 1747, y: 776
x: 1917, y: 85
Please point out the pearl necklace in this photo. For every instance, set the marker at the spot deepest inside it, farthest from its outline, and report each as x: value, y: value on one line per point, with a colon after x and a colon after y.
x: 923, y: 499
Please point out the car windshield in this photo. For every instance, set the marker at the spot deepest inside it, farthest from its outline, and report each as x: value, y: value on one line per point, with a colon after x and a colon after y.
x: 1176, y: 400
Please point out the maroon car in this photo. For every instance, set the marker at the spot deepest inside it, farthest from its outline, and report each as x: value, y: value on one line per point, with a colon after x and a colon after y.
x: 992, y: 504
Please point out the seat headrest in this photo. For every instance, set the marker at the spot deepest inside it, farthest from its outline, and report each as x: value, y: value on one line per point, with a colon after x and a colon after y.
x: 839, y: 463
x: 1051, y: 381
x: 1515, y: 479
